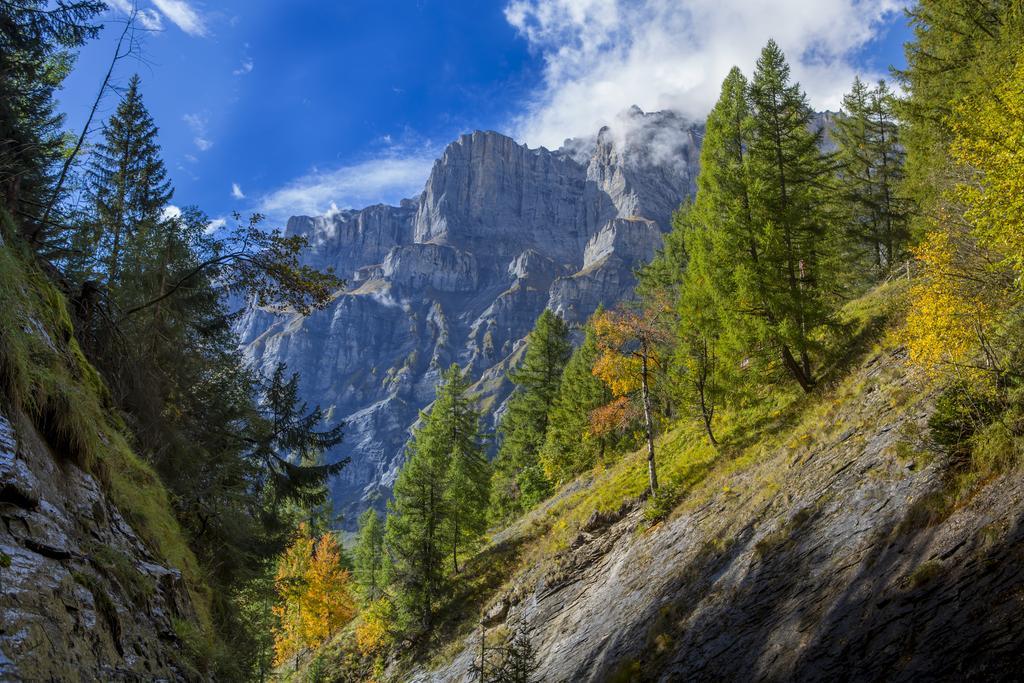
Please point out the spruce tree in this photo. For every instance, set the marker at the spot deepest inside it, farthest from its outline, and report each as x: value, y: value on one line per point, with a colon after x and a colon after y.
x: 36, y: 40
x: 369, y: 555
x: 519, y: 480
x: 128, y: 186
x: 570, y: 446
x: 439, y: 500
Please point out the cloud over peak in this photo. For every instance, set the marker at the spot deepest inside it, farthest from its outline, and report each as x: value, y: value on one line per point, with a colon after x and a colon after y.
x: 387, y: 178
x: 600, y: 56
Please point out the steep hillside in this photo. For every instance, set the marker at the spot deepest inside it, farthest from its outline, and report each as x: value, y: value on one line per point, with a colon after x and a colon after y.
x: 461, y: 273
x: 96, y: 579
x: 819, y: 544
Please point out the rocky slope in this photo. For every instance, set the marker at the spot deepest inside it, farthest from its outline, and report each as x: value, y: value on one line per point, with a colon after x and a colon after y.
x: 81, y: 596
x: 461, y: 273
x: 823, y: 557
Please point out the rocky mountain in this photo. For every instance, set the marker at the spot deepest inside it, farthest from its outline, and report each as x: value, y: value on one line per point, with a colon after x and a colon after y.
x: 461, y: 273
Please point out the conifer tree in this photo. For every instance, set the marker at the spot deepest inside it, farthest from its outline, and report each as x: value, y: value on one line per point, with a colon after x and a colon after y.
x: 128, y: 186
x: 36, y: 40
x: 440, y: 499
x: 570, y: 445
x: 789, y: 210
x: 520, y: 481
x: 871, y: 168
x: 369, y: 555
x: 698, y: 357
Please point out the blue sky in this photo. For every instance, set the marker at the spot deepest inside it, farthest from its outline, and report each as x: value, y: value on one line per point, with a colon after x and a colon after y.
x: 292, y: 107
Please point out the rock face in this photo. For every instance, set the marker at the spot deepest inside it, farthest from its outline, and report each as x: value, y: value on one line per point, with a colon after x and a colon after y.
x: 822, y: 561
x: 81, y: 598
x: 460, y: 274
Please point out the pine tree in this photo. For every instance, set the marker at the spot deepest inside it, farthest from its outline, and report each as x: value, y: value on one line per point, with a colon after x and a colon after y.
x: 570, y: 445
x: 128, y: 186
x: 440, y: 498
x: 871, y: 170
x: 520, y: 481
x: 369, y: 555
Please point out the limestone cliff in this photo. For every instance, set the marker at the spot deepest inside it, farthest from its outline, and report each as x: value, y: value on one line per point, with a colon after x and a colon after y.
x: 461, y: 273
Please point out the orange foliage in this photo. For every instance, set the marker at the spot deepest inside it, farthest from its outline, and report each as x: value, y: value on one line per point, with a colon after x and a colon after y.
x: 314, y: 594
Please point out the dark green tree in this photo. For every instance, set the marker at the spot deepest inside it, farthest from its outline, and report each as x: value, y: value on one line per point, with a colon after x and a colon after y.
x: 871, y: 161
x: 570, y: 446
x: 368, y: 555
x: 439, y: 501
x: 128, y: 189
x: 37, y: 38
x: 519, y: 479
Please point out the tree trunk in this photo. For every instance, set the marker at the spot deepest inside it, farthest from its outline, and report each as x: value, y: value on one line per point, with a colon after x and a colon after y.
x: 796, y: 370
x: 648, y: 423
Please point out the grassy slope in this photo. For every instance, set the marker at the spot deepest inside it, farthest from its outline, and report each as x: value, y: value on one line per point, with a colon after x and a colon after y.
x: 689, y: 469
x: 44, y: 373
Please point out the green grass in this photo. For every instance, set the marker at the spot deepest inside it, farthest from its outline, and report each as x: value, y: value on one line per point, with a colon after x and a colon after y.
x: 44, y: 373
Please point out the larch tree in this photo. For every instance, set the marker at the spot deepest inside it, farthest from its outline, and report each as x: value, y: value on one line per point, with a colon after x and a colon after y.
x: 870, y: 160
x: 631, y: 345
x: 440, y: 499
x: 519, y: 478
x: 368, y: 555
x: 570, y: 445
x: 784, y: 286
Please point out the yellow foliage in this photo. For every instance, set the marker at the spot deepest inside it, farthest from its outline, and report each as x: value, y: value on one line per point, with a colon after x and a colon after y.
x: 621, y: 373
x: 946, y: 318
x: 973, y: 259
x: 314, y: 594
x: 373, y: 633
x: 989, y: 143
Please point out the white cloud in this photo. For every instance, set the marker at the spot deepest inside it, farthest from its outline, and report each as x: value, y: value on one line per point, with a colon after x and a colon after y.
x: 150, y: 20
x: 601, y: 56
x: 170, y: 211
x: 383, y: 179
x: 245, y: 68
x: 215, y: 225
x: 183, y: 16
x: 236, y: 191
x: 197, y: 122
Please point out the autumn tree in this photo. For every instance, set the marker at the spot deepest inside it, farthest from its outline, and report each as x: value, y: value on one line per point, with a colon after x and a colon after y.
x: 314, y: 594
x: 631, y: 347
x: 519, y: 478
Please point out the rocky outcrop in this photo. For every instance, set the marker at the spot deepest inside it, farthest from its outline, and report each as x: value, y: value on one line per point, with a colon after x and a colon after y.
x: 825, y: 559
x: 461, y: 273
x: 81, y: 596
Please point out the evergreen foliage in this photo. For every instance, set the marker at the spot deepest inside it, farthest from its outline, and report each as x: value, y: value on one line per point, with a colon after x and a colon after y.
x: 571, y: 446
x: 871, y: 162
x: 368, y: 555
x: 37, y: 39
x: 440, y: 499
x: 519, y: 477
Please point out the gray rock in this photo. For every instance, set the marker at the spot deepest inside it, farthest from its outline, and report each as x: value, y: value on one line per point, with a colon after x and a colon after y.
x: 81, y: 596
x: 460, y: 274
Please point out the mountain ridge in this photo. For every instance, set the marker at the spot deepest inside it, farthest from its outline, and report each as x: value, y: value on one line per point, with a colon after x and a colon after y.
x: 460, y: 273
